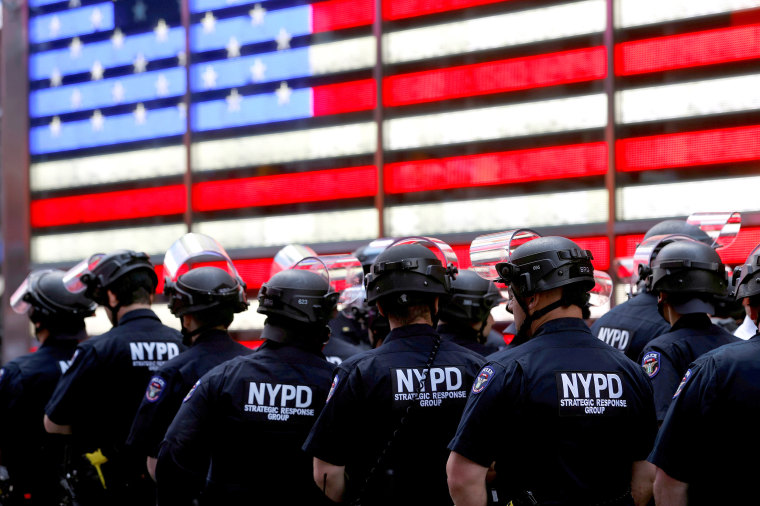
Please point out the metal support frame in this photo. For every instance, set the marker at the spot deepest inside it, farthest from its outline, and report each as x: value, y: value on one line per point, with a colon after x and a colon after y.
x: 377, y: 31
x: 187, y: 137
x: 610, y: 137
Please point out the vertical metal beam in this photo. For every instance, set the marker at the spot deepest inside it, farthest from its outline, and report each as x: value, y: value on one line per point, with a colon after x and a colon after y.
x: 610, y: 136
x: 377, y: 30
x: 14, y: 161
x: 187, y: 137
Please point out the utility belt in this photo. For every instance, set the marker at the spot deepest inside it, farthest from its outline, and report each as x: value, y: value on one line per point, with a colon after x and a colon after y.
x: 527, y: 498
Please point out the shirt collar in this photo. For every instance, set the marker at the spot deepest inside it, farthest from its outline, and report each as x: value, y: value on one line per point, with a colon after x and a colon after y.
x: 692, y: 321
x: 137, y: 314
x: 414, y: 330
x: 212, y: 335
x: 562, y: 325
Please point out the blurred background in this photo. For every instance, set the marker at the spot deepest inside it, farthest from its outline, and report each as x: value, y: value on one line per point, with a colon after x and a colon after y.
x: 127, y: 123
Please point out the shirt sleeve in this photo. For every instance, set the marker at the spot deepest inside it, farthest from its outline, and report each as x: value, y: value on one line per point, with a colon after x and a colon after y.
x: 659, y: 365
x: 185, y: 453
x: 495, y: 391
x: 162, y: 399
x: 74, y: 387
x: 11, y: 390
x: 676, y: 450
x: 329, y: 439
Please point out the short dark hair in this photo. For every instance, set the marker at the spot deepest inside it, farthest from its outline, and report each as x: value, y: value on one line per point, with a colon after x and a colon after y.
x: 214, y: 316
x: 135, y: 287
x: 408, y: 307
x: 59, y: 324
x: 576, y: 295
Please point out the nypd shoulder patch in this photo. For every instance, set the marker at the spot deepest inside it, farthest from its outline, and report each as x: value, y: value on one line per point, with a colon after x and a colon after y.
x: 335, y: 381
x: 155, y: 389
x: 483, y: 379
x: 191, y: 392
x: 683, y: 383
x: 651, y: 363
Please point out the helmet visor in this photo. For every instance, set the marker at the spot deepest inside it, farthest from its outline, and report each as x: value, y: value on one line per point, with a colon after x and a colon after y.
x: 648, y: 250
x: 600, y: 294
x: 288, y: 256
x: 196, y: 250
x: 75, y: 278
x: 344, y: 273
x: 440, y: 249
x: 18, y: 299
x: 721, y: 227
x: 488, y: 250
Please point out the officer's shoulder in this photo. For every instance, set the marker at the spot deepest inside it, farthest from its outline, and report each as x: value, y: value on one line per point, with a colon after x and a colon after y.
x: 463, y: 352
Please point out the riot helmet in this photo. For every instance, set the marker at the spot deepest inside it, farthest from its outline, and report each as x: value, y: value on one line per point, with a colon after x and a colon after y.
x: 206, y: 288
x: 471, y: 299
x: 298, y: 296
x: 679, y: 227
x: 747, y: 277
x: 368, y: 253
x: 44, y: 298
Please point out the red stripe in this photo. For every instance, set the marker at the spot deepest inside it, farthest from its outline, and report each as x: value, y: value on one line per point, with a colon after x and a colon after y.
x: 688, y: 50
x: 314, y: 186
x: 496, y: 77
x: 705, y: 147
x: 505, y: 167
x: 119, y: 205
x: 345, y: 97
x: 399, y: 9
x: 339, y: 14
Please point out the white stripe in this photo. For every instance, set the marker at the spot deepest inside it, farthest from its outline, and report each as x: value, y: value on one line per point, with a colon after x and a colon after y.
x: 549, y: 209
x: 530, y: 118
x: 698, y: 98
x: 103, y: 169
x: 524, y: 27
x: 75, y: 246
x: 308, y: 228
x: 643, y: 12
x: 328, y: 142
x: 666, y: 200
x: 351, y: 54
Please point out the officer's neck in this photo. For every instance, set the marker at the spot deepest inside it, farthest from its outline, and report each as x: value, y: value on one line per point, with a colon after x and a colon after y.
x: 543, y: 299
x: 132, y: 307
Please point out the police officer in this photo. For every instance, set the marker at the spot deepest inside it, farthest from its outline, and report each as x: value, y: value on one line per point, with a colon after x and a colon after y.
x: 573, y: 418
x: 632, y: 324
x: 27, y: 382
x: 686, y: 277
x: 393, y: 409
x: 466, y: 318
x: 205, y: 299
x: 248, y: 417
x: 96, y: 399
x: 702, y: 456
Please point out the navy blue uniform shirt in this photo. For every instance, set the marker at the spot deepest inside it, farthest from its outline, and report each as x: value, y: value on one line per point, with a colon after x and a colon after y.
x: 26, y: 384
x: 709, y: 436
x: 371, y: 393
x: 562, y: 415
x: 169, y: 385
x: 237, y: 437
x: 337, y: 350
x: 101, y: 391
x: 631, y: 325
x: 349, y: 330
x: 467, y: 337
x: 666, y: 358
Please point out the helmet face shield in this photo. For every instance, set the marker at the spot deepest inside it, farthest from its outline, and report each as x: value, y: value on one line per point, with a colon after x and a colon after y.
x: 440, y: 249
x: 746, y: 279
x: 646, y: 252
x: 602, y: 291
x: 75, y: 280
x: 19, y: 299
x: 488, y: 251
x: 721, y: 227
x: 288, y: 256
x: 195, y: 250
x: 344, y: 273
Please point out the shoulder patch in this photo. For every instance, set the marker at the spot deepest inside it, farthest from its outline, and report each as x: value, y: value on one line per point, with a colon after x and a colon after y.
x: 155, y: 389
x: 483, y: 379
x: 335, y: 381
x: 651, y: 363
x: 683, y: 383
x: 191, y: 392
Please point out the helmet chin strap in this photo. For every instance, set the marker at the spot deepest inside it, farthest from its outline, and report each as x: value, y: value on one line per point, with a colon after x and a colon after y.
x: 114, y: 310
x: 524, y: 333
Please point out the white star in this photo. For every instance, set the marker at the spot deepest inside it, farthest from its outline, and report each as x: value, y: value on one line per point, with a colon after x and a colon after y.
x: 96, y: 19
x: 283, y: 93
x: 55, y: 26
x: 140, y: 114
x: 76, y: 98
x: 283, y: 39
x: 55, y: 78
x: 55, y: 126
x: 140, y: 63
x: 97, y: 120
x: 182, y: 59
x: 257, y: 70
x: 233, y: 48
x: 138, y: 11
x: 257, y: 15
x: 75, y: 48
x: 209, y: 77
x: 117, y: 39
x: 209, y: 23
x: 162, y: 31
x: 97, y: 71
x: 162, y: 86
x: 233, y: 100
x: 75, y: 3
x: 182, y: 109
x: 118, y: 92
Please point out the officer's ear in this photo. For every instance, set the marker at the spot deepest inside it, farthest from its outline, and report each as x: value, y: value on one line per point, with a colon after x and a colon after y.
x: 113, y: 300
x: 380, y: 309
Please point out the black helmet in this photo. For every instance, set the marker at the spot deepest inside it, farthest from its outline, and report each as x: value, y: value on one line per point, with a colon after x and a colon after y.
x: 472, y: 299
x: 747, y: 278
x: 43, y: 295
x: 680, y: 227
x: 205, y: 288
x: 298, y: 295
x: 408, y: 269
x: 100, y: 271
x: 687, y: 266
x: 369, y: 252
x: 545, y: 263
